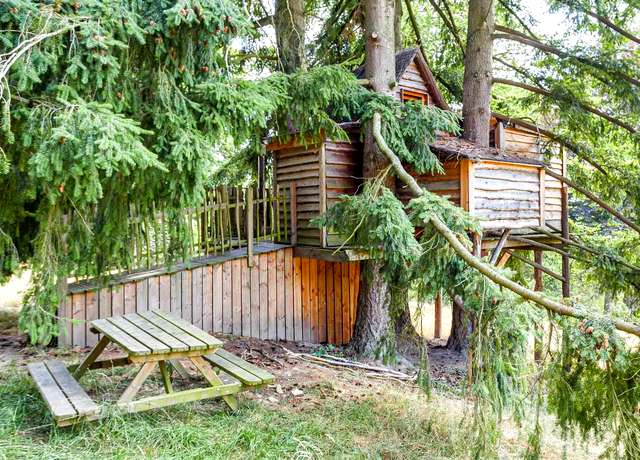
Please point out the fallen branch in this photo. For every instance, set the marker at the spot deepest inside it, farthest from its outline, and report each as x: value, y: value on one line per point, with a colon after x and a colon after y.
x: 476, y: 263
x: 335, y: 361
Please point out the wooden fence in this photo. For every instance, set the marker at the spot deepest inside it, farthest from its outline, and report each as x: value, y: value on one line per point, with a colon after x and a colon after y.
x: 229, y: 218
x: 279, y: 297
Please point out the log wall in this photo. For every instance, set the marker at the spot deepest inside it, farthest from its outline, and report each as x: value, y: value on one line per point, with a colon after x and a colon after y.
x: 301, y: 164
x: 505, y: 195
x: 343, y: 175
x: 281, y: 297
x: 412, y: 81
x: 527, y: 144
x: 446, y: 185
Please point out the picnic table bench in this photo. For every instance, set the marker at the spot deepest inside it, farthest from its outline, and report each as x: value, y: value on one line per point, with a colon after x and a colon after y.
x: 151, y: 339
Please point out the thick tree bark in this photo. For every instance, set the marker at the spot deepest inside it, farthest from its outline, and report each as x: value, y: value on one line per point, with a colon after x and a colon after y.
x: 476, y: 112
x: 460, y: 327
x: 372, y: 319
x: 289, y: 23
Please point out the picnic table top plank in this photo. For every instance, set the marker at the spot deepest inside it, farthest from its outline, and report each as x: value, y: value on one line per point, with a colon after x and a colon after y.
x: 58, y: 403
x: 170, y: 328
x: 163, y: 336
x: 234, y: 370
x: 190, y: 329
x: 247, y: 366
x: 121, y: 338
x: 141, y: 336
x: 75, y: 394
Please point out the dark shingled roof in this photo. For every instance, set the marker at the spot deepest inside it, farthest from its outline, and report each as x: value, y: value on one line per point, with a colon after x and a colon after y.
x: 403, y: 59
x: 453, y: 148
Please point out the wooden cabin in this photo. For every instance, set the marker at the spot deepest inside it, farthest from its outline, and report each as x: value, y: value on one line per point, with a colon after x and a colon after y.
x: 504, y: 185
x: 525, y: 141
x: 320, y: 173
x: 502, y: 190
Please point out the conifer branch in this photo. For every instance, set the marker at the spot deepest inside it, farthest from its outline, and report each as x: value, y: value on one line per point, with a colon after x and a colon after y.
x: 514, y: 35
x: 582, y: 105
x: 475, y: 262
x: 595, y: 199
x: 9, y: 59
x: 450, y: 25
x: 608, y: 23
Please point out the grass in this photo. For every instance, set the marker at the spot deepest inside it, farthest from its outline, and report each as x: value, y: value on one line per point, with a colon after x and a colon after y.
x: 395, y: 424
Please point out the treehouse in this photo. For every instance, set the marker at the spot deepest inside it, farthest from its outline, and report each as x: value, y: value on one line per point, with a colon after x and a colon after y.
x: 505, y: 185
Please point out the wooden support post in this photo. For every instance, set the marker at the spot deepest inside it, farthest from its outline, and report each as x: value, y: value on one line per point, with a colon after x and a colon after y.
x: 166, y: 377
x: 477, y: 244
x: 498, y: 249
x: 214, y: 380
x: 500, y: 138
x: 502, y: 261
x: 537, y: 272
x: 535, y: 265
x: 249, y: 226
x: 91, y: 357
x: 566, y: 267
x: 136, y: 383
x: 294, y: 212
x: 437, y: 316
x: 538, y: 286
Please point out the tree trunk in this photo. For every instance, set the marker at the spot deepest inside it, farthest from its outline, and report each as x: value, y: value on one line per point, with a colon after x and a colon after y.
x: 372, y: 318
x: 460, y: 327
x: 476, y: 113
x: 289, y: 23
x: 476, y: 95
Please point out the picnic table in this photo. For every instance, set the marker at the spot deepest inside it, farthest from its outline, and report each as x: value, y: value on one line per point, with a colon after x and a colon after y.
x: 151, y: 339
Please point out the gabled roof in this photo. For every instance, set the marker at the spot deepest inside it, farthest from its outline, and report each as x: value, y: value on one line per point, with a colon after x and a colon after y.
x: 406, y: 57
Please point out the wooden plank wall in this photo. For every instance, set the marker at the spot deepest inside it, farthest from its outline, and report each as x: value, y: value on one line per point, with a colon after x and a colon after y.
x: 300, y: 163
x: 553, y: 191
x: 412, y: 80
x: 528, y: 144
x: 506, y: 196
x: 343, y: 172
x: 447, y: 184
x: 280, y: 298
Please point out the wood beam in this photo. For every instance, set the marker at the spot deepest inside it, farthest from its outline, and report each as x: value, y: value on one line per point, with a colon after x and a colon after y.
x: 535, y: 265
x: 498, y: 249
x: 566, y: 267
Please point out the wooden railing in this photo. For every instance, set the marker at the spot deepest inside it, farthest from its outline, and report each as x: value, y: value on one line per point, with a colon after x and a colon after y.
x: 229, y: 218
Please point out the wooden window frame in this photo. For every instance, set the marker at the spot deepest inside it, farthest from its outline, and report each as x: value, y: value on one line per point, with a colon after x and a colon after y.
x: 413, y: 96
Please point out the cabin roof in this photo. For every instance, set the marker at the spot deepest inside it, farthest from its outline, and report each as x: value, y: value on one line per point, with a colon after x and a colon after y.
x: 406, y: 57
x: 453, y: 148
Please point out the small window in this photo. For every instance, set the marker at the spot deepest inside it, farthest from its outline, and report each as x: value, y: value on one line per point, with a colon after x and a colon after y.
x: 407, y: 95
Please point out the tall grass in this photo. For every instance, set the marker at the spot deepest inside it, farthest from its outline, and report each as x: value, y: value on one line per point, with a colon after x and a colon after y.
x: 392, y: 424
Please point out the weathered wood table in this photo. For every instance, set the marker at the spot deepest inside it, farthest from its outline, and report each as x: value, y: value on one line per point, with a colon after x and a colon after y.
x: 152, y: 339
